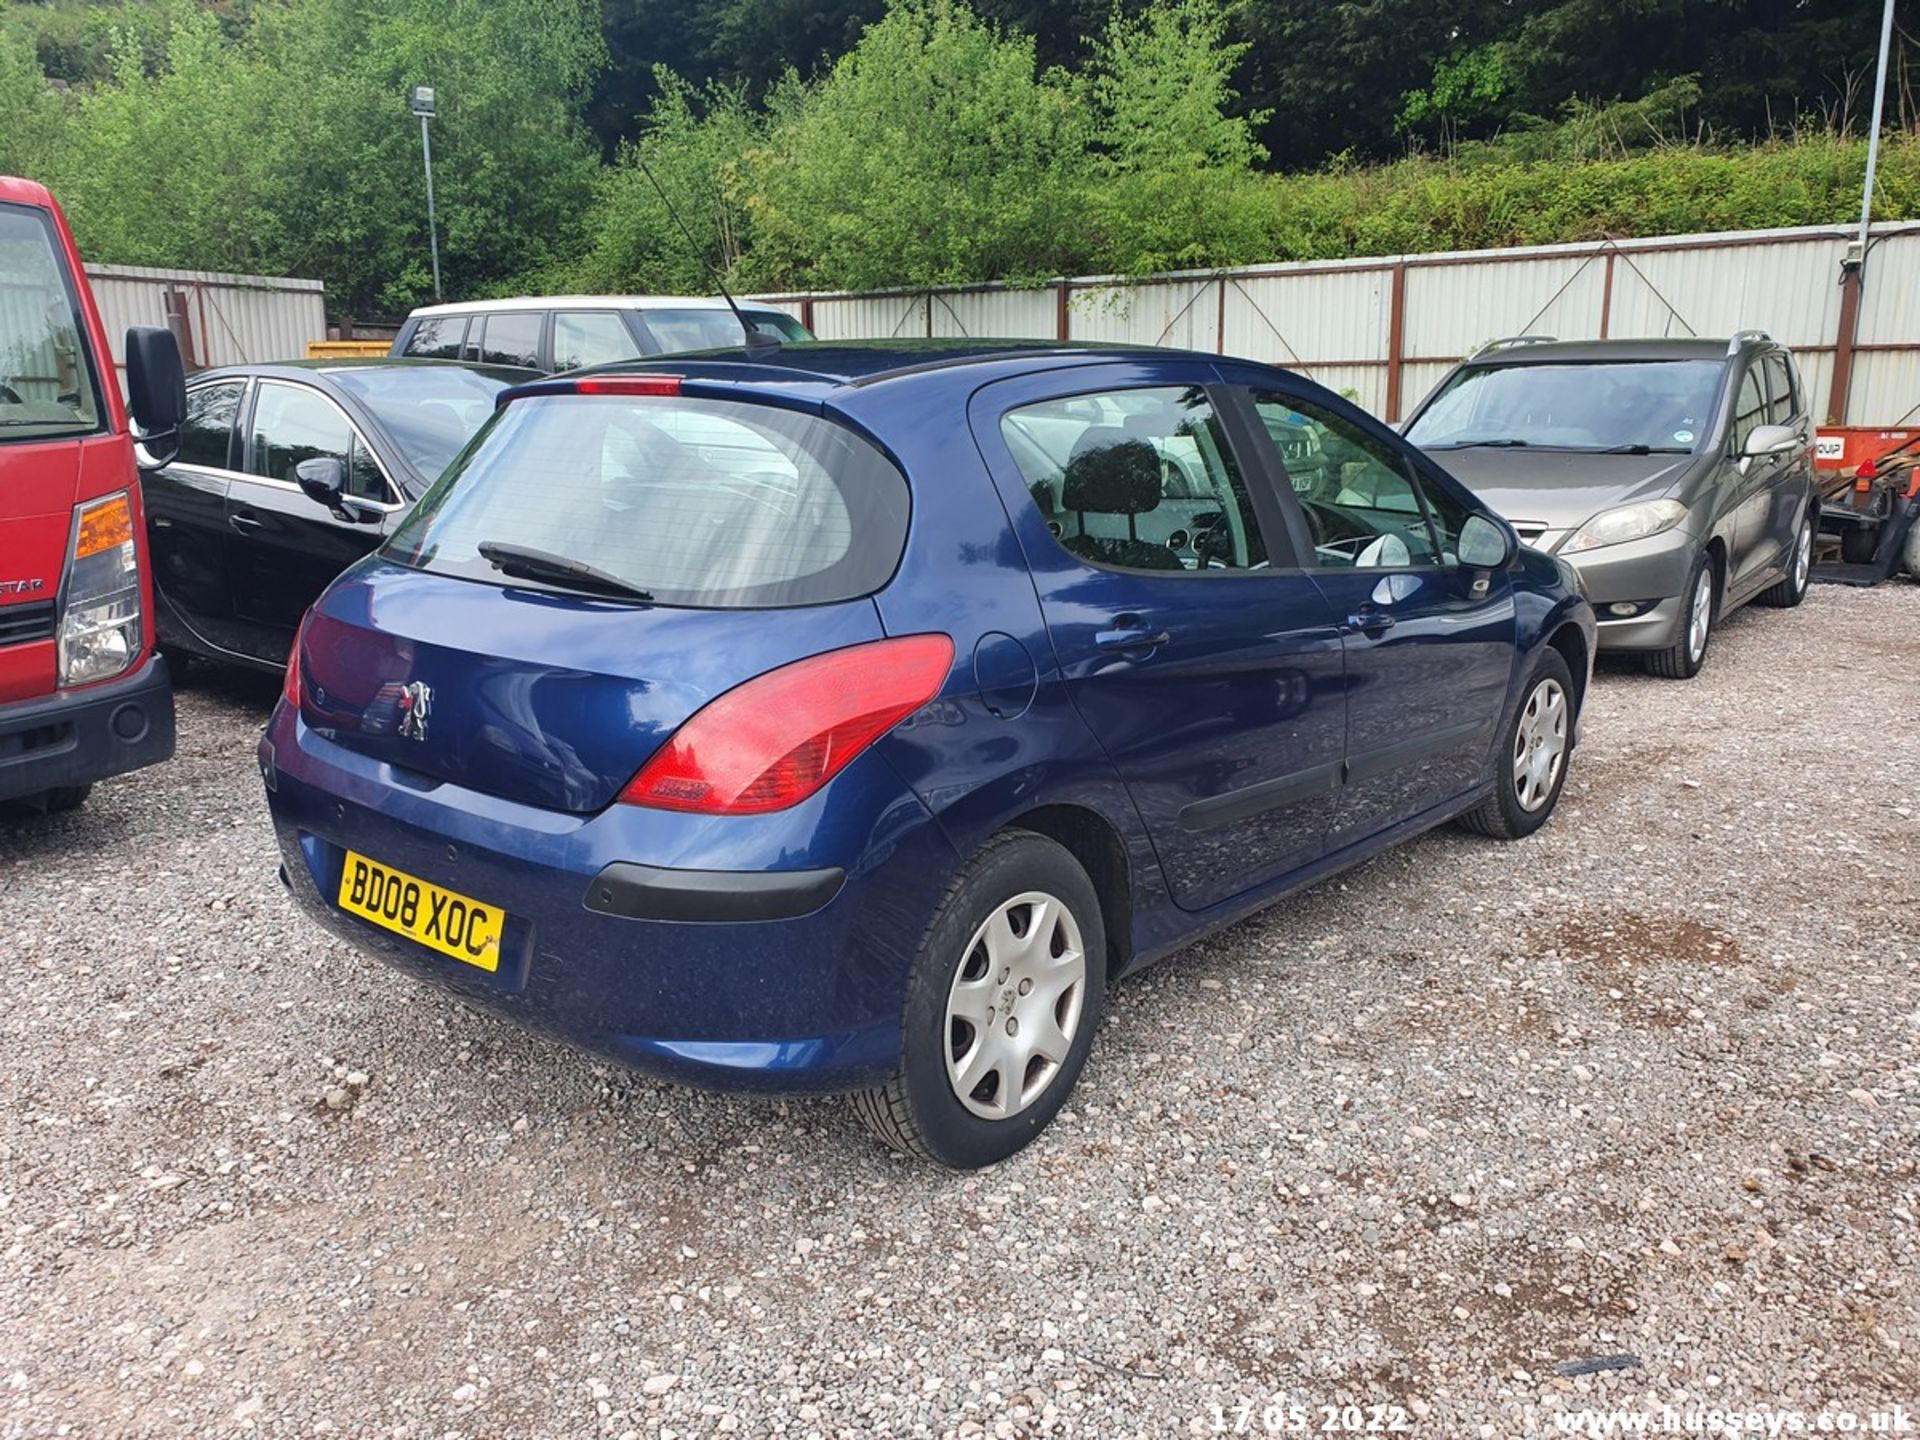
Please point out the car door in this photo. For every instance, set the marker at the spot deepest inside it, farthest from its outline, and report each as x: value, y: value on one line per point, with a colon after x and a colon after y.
x: 1428, y: 642
x: 186, y: 504
x: 1750, y: 485
x: 1209, y: 673
x: 1791, y: 474
x: 285, y: 547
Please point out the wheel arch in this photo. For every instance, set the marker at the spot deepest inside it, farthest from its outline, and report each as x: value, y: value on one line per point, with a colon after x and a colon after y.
x: 1093, y: 841
x: 1571, y: 642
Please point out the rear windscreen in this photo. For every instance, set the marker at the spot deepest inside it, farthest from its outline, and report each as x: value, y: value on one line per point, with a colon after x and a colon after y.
x: 708, y: 503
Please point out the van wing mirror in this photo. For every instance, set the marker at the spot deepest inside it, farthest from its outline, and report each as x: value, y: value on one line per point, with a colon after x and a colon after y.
x: 1486, y: 544
x: 156, y: 390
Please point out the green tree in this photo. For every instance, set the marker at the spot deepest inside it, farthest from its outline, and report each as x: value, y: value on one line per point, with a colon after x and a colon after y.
x: 931, y: 153
x: 31, y: 112
x: 289, y: 150
x: 1176, y: 164
x: 697, y: 145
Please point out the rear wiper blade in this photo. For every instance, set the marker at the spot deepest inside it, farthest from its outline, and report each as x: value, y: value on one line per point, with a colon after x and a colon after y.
x: 526, y: 563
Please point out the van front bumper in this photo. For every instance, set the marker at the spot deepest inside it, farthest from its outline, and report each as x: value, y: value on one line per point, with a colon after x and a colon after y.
x: 75, y: 737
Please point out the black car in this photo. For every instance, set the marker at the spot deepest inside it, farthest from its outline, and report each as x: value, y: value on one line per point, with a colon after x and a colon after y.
x: 286, y: 475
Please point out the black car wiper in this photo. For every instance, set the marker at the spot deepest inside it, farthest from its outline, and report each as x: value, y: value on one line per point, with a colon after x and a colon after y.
x: 1479, y: 445
x: 528, y: 564
x: 1639, y: 449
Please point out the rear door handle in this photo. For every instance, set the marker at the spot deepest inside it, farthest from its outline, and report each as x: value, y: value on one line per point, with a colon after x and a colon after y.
x: 1129, y: 634
x: 1371, y: 622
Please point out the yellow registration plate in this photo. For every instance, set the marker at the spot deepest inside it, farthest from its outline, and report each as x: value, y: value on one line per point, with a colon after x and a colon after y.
x: 452, y: 924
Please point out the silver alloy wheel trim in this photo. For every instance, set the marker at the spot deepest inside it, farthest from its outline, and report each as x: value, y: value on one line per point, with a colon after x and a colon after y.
x: 1540, y: 744
x: 1015, y: 1004
x: 1700, y: 616
x: 1802, y: 555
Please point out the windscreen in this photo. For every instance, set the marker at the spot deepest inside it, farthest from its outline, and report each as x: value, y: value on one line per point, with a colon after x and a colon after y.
x: 1663, y: 406
x: 709, y: 503
x: 430, y: 412
x: 47, y: 384
x: 715, y: 329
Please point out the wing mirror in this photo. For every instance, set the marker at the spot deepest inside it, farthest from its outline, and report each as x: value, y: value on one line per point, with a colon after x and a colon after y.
x: 1766, y: 440
x: 1487, y: 544
x: 324, y: 481
x: 156, y: 391
x: 323, y: 478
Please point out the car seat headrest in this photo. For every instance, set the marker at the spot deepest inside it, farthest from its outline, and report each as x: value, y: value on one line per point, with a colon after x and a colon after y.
x: 1111, y: 474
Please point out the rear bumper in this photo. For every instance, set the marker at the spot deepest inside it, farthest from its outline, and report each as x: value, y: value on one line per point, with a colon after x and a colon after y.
x: 623, y: 936
x: 75, y: 737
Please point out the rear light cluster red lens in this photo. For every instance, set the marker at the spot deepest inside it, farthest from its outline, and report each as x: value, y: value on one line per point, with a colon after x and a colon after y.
x: 777, y: 739
x: 1867, y: 471
x: 290, y: 690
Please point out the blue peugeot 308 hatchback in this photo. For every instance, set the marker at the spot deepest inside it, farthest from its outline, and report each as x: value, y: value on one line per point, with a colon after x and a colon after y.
x: 850, y: 718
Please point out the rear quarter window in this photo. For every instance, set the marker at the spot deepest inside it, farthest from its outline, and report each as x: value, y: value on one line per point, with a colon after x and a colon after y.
x: 704, y: 503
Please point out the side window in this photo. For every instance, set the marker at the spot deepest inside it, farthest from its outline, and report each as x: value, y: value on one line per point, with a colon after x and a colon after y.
x: 208, y: 428
x: 438, y: 337
x: 512, y: 337
x: 1137, y: 480
x: 365, y: 480
x: 590, y: 337
x: 1779, y: 389
x: 1749, y: 410
x: 291, y: 424
x: 1364, y: 503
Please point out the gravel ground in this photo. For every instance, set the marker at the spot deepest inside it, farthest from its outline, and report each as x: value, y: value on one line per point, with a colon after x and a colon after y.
x: 1644, y: 1084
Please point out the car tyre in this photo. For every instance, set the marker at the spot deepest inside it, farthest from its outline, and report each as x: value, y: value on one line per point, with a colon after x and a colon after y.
x: 1530, y: 768
x: 49, y: 802
x: 1682, y: 660
x: 978, y: 978
x: 1791, y: 588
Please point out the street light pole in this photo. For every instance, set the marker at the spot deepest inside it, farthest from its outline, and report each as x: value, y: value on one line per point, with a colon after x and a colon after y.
x: 1854, y: 263
x: 1873, y: 135
x: 421, y: 101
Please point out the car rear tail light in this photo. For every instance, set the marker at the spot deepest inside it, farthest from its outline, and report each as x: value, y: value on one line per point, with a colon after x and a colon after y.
x: 290, y: 689
x: 774, y: 741
x: 100, y: 627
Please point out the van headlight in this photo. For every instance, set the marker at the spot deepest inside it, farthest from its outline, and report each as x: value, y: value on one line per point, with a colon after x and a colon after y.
x: 1629, y: 522
x: 100, y: 628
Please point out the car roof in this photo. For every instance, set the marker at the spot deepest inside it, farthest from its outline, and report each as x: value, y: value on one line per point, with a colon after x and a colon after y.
x: 1601, y: 352
x: 334, y: 365
x: 866, y: 362
x: 21, y: 191
x: 588, y: 302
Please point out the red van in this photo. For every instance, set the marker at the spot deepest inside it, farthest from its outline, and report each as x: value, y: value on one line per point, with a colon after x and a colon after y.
x: 82, y: 693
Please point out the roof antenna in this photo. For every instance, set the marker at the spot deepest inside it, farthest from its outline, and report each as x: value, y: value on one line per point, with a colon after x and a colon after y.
x: 758, y: 342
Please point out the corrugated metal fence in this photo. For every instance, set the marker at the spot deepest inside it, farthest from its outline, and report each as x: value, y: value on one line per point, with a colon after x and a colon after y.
x: 228, y: 319
x: 1384, y: 330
